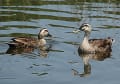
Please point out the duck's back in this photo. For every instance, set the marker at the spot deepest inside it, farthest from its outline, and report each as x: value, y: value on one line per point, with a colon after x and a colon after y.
x: 101, y: 45
x: 23, y: 42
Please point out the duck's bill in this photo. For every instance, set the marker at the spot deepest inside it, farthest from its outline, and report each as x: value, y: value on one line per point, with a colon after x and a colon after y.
x: 81, y: 28
x: 49, y: 35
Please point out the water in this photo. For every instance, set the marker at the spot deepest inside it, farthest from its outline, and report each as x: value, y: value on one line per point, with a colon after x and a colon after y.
x: 62, y: 64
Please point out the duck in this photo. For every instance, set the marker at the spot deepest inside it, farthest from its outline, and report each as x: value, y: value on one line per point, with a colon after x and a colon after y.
x: 21, y: 42
x: 93, y: 45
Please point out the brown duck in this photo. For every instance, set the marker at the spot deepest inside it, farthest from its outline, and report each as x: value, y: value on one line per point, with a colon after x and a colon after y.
x: 29, y: 41
x: 93, y: 45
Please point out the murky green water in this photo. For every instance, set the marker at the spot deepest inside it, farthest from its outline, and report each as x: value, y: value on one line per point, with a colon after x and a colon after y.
x: 62, y: 64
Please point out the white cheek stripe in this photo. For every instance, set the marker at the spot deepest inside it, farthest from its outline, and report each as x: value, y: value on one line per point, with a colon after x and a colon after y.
x: 43, y: 31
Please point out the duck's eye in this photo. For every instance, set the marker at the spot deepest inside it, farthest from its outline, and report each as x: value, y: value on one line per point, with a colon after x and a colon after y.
x: 46, y: 30
x: 86, y: 25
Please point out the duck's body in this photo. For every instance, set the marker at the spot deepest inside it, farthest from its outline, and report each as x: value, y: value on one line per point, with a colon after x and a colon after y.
x: 29, y: 41
x: 94, y: 45
x: 23, y: 42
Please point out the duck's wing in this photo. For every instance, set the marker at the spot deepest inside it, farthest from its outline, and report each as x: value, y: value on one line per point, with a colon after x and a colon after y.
x: 23, y: 41
x: 101, y: 44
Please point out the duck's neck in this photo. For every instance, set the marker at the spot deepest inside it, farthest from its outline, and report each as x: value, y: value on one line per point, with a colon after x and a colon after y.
x: 41, y: 41
x: 85, y: 46
x: 86, y: 38
x: 40, y: 37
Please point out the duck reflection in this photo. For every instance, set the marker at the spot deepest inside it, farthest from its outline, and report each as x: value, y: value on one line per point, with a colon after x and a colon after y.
x: 87, y: 66
x: 15, y: 50
x: 43, y: 50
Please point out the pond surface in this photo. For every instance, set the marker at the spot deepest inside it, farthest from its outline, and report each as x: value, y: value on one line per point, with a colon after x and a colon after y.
x: 62, y: 64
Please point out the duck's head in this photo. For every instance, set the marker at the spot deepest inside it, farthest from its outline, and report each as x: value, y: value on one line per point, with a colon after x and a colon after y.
x: 44, y: 33
x: 85, y: 27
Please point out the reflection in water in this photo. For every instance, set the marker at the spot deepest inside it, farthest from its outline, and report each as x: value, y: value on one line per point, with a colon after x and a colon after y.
x: 43, y: 50
x: 14, y: 50
x: 87, y: 66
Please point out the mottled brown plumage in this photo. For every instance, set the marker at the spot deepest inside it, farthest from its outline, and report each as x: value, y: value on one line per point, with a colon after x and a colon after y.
x: 94, y: 45
x: 23, y: 42
x: 102, y: 44
x: 30, y: 41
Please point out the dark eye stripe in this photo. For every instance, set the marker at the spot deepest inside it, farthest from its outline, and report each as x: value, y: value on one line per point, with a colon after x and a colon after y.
x: 85, y: 24
x: 46, y: 30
